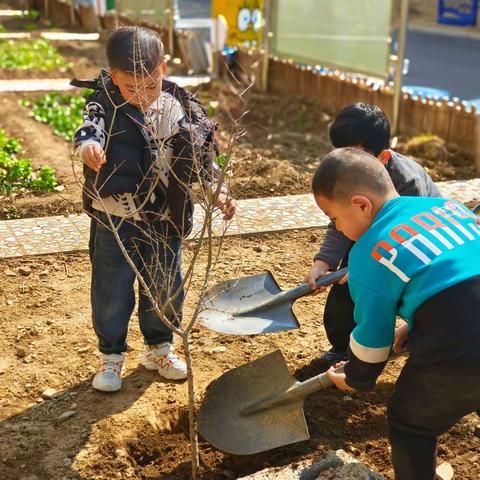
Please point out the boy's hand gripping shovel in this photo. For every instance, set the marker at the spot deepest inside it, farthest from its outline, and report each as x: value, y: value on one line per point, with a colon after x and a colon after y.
x: 255, y: 304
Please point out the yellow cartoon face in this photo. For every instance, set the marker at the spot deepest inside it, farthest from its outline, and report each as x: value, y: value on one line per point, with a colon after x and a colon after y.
x: 244, y: 20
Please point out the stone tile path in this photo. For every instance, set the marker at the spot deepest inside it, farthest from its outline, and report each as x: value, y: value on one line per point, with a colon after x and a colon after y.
x: 68, y: 36
x: 33, y: 236
x: 11, y: 13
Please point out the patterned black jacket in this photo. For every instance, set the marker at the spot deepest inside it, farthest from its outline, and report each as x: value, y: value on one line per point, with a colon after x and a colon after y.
x: 130, y: 153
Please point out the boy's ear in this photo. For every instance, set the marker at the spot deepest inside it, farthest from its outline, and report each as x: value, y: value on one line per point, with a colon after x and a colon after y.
x: 163, y: 67
x: 362, y: 204
x: 112, y: 75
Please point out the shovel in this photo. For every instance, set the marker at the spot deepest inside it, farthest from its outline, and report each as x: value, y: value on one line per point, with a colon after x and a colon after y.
x: 257, y: 406
x: 255, y: 304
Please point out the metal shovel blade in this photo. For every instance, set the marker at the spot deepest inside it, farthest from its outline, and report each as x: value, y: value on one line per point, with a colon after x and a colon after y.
x: 223, y: 420
x: 234, y: 307
x: 256, y: 304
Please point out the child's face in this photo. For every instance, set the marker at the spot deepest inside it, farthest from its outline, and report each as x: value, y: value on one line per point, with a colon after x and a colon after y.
x: 140, y: 90
x: 352, y: 217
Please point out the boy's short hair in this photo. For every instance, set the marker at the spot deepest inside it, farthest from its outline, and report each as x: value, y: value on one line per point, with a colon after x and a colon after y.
x: 134, y: 50
x: 349, y: 171
x: 361, y: 125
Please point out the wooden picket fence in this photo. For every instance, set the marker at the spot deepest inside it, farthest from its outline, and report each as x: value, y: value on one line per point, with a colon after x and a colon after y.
x: 450, y: 120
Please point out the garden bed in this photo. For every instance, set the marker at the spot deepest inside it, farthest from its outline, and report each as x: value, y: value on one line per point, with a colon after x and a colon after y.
x: 81, y: 59
x: 140, y: 433
x: 284, y: 140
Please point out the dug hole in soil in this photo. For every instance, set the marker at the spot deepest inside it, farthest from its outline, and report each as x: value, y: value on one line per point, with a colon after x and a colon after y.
x: 141, y: 432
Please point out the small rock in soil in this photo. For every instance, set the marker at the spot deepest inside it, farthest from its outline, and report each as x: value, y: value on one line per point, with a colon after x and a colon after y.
x: 257, y: 248
x: 20, y: 352
x: 313, y: 238
x: 444, y: 472
x: 25, y: 271
x: 9, y: 302
x: 83, y: 349
x: 66, y: 415
x: 44, y: 274
x: 476, y: 430
x: 219, y: 349
x: 9, y: 273
x: 121, y: 453
x: 50, y: 393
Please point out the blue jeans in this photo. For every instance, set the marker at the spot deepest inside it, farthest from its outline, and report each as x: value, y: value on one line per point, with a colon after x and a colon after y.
x: 158, y: 259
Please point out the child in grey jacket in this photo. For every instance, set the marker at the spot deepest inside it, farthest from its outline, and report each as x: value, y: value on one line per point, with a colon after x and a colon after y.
x: 365, y: 127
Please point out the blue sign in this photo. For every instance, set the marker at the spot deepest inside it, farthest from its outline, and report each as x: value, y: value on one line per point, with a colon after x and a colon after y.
x: 458, y: 12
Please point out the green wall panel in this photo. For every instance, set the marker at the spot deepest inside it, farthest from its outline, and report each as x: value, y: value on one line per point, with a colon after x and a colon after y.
x: 347, y: 34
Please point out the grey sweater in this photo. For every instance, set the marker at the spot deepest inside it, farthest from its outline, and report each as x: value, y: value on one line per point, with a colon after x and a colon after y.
x: 409, y: 179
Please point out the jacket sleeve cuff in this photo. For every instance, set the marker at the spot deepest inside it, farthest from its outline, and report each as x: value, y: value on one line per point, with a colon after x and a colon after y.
x: 82, y: 144
x: 362, y: 375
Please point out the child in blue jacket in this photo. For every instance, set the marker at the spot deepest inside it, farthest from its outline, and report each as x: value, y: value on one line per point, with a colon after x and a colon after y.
x: 417, y: 258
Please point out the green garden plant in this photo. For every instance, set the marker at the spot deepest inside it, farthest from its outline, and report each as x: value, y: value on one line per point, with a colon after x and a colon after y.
x: 18, y: 174
x: 30, y: 54
x: 31, y: 14
x: 64, y: 113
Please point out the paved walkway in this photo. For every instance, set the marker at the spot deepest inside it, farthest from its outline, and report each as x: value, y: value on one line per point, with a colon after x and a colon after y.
x: 68, y: 36
x: 33, y: 236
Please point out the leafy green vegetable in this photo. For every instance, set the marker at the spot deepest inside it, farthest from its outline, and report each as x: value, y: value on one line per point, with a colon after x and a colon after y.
x: 17, y: 174
x: 31, y: 14
x: 64, y: 113
x: 30, y: 54
x: 222, y: 161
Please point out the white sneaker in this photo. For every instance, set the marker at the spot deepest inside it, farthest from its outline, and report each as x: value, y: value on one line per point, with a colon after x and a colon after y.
x: 161, y: 357
x: 109, y: 379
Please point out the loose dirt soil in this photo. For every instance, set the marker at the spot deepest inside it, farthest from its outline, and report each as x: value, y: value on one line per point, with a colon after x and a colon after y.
x: 141, y: 432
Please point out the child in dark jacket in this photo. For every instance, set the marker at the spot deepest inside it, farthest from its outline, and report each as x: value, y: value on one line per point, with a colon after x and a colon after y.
x: 144, y: 142
x: 416, y: 258
x: 365, y: 127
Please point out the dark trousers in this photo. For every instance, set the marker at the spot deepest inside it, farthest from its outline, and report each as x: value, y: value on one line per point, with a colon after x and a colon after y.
x: 440, y: 381
x: 338, y: 318
x: 428, y: 400
x: 158, y: 259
